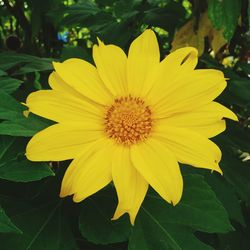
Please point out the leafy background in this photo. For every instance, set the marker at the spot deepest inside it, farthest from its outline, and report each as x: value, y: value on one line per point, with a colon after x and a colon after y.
x: 214, y: 212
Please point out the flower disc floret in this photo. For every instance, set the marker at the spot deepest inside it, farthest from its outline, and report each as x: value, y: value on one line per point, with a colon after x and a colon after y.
x: 128, y: 120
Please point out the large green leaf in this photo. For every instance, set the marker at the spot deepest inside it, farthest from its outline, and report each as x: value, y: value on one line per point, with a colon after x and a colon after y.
x: 16, y: 123
x: 9, y: 85
x: 199, y: 208
x: 162, y: 226
x: 25, y: 63
x: 24, y: 126
x: 15, y: 167
x: 126, y: 9
x: 224, y: 15
x: 44, y: 226
x: 78, y: 13
x: 10, y: 109
x: 168, y: 17
x: 240, y: 89
x: 235, y: 170
x: 151, y: 233
x: 115, y: 31
x: 6, y: 226
x: 2, y: 73
x: 95, y: 220
x: 227, y: 195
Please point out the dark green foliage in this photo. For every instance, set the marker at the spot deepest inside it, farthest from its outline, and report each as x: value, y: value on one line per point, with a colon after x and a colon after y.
x: 214, y: 212
x: 95, y: 220
x: 6, y: 226
x: 224, y: 15
x: 15, y: 167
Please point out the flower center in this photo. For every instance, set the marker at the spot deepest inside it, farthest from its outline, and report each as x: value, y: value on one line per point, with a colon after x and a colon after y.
x: 128, y: 120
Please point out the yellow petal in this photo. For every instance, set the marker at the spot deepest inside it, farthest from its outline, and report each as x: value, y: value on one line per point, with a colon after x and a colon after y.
x: 58, y: 84
x: 190, y: 92
x: 111, y: 62
x: 160, y: 169
x: 185, y: 58
x: 74, y: 168
x: 189, y: 147
x: 93, y: 171
x: 62, y: 107
x: 142, y: 57
x: 177, y: 65
x: 62, y: 141
x: 210, y: 130
x: 205, y: 120
x: 131, y: 187
x: 83, y: 78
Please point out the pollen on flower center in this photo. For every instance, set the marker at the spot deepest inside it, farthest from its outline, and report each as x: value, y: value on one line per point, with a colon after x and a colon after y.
x: 128, y: 120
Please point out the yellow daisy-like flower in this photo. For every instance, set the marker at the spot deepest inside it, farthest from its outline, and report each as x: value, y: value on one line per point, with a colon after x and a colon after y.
x: 130, y: 120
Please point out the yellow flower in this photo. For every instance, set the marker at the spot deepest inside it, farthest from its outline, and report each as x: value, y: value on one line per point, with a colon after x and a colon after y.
x: 130, y: 120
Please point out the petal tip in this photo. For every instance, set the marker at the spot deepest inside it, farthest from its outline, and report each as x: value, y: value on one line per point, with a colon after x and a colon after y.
x: 217, y: 169
x: 63, y: 193
x: 26, y: 113
x: 132, y: 219
x: 77, y: 199
x: 55, y: 64
x: 119, y: 213
x: 100, y: 42
x: 234, y: 117
x: 176, y: 200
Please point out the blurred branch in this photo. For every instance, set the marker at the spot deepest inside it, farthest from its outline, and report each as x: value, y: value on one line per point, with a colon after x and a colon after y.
x: 16, y: 11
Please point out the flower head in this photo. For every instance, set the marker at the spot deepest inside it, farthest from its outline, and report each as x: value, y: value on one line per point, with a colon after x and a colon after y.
x: 130, y: 120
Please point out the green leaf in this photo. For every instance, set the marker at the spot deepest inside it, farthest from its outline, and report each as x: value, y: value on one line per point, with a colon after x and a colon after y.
x: 9, y: 85
x: 162, y: 226
x: 95, y: 220
x: 25, y: 63
x: 199, y: 208
x: 37, y: 64
x: 15, y: 167
x: 150, y: 233
x: 235, y: 171
x: 9, y: 108
x: 16, y: 123
x: 240, y: 89
x: 100, y: 22
x: 44, y: 227
x: 24, y: 171
x: 115, y: 32
x: 227, y: 196
x: 76, y: 14
x: 24, y: 126
x: 70, y: 51
x: 235, y: 239
x: 6, y: 226
x: 11, y: 59
x: 224, y: 15
x: 2, y: 73
x: 126, y: 9
x: 167, y: 17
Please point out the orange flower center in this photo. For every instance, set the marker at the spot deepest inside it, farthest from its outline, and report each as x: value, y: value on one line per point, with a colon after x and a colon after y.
x: 128, y: 120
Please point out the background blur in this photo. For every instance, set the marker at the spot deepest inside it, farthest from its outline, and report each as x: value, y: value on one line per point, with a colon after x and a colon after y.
x: 215, y: 210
